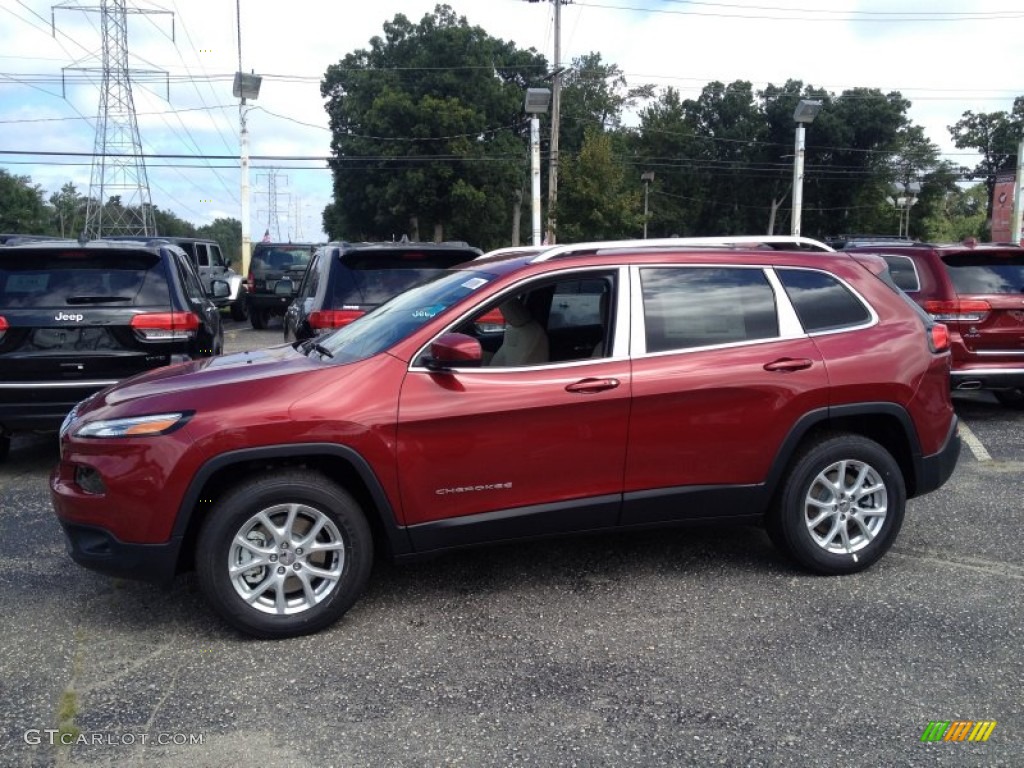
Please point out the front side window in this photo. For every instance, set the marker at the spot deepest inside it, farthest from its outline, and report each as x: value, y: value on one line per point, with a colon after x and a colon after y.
x: 686, y: 307
x: 821, y: 300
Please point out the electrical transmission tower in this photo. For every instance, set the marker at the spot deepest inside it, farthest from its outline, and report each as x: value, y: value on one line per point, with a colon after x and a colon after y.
x: 273, y: 220
x: 119, y: 199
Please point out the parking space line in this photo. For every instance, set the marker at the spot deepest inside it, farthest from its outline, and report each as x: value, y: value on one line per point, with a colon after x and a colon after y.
x: 974, y: 443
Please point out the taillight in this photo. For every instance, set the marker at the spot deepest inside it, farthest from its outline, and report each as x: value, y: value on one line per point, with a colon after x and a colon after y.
x: 333, y: 318
x: 3, y: 326
x: 165, y: 326
x: 958, y: 311
x: 250, y: 282
x: 938, y: 337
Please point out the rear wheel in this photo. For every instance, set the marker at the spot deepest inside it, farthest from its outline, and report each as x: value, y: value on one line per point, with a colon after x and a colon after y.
x: 1011, y: 398
x: 284, y: 555
x: 258, y: 318
x: 841, y: 505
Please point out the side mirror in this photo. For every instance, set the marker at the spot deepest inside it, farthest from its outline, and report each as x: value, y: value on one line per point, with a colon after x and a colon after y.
x: 220, y: 289
x: 284, y: 287
x: 454, y: 350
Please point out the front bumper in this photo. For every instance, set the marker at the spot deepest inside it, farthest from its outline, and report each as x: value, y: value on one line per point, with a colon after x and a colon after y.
x: 99, y: 550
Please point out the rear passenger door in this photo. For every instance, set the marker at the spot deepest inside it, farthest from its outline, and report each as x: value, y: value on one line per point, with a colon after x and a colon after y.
x: 721, y: 371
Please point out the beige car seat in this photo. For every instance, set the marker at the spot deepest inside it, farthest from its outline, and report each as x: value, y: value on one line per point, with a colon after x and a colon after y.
x: 525, y: 342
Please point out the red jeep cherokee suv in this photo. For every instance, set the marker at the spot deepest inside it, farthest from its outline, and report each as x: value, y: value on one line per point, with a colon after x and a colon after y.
x: 977, y: 290
x: 631, y: 384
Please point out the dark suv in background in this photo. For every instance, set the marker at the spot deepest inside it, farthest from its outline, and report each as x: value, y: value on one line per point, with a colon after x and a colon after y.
x: 977, y: 290
x: 76, y: 318
x: 210, y: 264
x: 270, y: 264
x: 346, y: 280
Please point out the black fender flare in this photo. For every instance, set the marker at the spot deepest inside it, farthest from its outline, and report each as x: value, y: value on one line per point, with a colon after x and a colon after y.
x: 398, y: 538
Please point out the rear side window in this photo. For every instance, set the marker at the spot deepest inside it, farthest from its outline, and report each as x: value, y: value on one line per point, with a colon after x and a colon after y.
x: 702, y: 306
x: 986, y: 273
x: 903, y: 272
x: 369, y: 278
x: 70, y: 277
x: 821, y: 301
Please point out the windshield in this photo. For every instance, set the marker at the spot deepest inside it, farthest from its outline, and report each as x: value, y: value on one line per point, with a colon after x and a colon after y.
x: 395, y: 320
x: 985, y: 274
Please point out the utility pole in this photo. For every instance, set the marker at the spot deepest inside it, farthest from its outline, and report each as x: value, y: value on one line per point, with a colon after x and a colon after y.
x: 1018, y: 196
x: 556, y: 103
x: 118, y: 168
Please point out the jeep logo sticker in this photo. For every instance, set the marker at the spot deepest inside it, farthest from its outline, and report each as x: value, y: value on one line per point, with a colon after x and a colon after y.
x: 66, y: 316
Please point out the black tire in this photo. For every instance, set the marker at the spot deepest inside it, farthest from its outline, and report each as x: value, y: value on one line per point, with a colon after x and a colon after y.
x: 258, y: 318
x: 239, y: 308
x: 278, y: 604
x: 1011, y: 398
x: 870, y: 521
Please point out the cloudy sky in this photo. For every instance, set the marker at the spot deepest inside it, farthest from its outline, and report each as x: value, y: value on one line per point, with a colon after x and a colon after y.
x: 946, y: 56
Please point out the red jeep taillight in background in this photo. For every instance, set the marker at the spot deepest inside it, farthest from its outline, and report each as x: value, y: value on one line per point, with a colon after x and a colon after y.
x: 967, y: 311
x: 3, y: 326
x: 938, y: 338
x: 333, y: 318
x: 165, y: 326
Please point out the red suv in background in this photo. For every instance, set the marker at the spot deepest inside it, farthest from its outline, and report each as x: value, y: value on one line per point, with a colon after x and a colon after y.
x: 978, y: 292
x: 630, y: 385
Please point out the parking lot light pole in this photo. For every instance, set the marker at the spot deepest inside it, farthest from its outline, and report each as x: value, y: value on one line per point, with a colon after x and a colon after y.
x: 646, y: 177
x: 537, y: 102
x: 246, y: 86
x: 804, y: 114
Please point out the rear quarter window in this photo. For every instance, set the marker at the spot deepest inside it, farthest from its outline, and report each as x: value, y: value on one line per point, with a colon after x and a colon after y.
x: 821, y: 300
x: 31, y: 279
x: 903, y: 272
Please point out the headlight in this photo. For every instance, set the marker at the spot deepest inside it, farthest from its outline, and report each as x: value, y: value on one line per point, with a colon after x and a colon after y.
x: 134, y: 426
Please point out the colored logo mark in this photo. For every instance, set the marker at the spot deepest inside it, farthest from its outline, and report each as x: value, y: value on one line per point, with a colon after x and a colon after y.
x: 958, y: 730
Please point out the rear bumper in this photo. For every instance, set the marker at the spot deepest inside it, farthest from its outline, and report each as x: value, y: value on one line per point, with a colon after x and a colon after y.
x: 99, y: 550
x: 268, y: 302
x: 987, y: 378
x: 34, y: 405
x: 935, y: 470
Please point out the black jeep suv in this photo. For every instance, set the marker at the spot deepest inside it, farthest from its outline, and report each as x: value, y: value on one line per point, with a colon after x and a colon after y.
x: 75, y: 318
x: 272, y: 263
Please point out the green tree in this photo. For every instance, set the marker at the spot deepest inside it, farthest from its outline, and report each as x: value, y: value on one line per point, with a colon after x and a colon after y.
x: 428, y: 132
x: 69, y: 209
x: 227, y: 232
x: 960, y: 214
x: 995, y: 135
x: 22, y: 210
x: 599, y: 200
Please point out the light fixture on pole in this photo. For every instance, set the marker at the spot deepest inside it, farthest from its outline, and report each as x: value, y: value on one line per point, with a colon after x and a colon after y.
x: 904, y: 198
x: 246, y: 86
x: 537, y: 102
x: 804, y: 114
x: 646, y: 177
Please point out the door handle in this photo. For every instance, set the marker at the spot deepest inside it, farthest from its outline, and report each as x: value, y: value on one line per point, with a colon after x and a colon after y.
x: 789, y: 364
x: 592, y: 386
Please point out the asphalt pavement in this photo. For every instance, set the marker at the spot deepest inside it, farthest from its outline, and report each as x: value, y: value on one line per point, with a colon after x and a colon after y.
x: 688, y: 647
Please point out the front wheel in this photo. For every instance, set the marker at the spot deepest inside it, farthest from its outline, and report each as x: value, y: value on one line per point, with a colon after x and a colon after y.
x: 841, y: 505
x: 239, y: 309
x: 284, y: 555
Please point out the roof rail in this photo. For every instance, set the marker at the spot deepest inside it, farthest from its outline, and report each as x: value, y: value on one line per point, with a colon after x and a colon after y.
x: 775, y: 242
